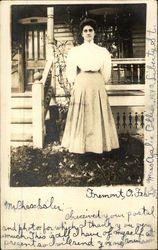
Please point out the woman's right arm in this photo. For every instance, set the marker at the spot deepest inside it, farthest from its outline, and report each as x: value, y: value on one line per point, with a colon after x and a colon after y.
x: 71, y: 67
x: 106, y: 68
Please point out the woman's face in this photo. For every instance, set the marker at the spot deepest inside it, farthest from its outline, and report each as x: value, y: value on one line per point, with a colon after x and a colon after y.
x: 88, y: 33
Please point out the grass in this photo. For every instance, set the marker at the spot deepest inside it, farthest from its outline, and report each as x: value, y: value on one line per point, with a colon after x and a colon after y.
x: 54, y: 166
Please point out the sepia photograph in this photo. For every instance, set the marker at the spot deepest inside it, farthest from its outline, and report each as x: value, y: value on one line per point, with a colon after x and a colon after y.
x: 78, y: 124
x: 77, y: 94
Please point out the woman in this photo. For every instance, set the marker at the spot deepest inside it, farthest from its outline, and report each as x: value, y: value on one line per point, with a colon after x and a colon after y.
x: 90, y: 125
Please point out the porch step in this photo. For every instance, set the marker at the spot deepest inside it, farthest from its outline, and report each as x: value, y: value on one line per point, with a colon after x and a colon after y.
x: 21, y: 119
x: 21, y: 132
x: 21, y: 115
x: 21, y: 102
x: 21, y: 143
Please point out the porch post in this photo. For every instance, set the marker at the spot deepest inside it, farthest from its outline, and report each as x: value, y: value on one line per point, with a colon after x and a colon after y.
x: 38, y: 111
x: 50, y: 47
x: 21, y: 63
x: 51, y: 126
x: 50, y: 25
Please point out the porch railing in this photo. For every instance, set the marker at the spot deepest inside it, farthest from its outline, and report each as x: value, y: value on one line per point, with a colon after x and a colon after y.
x: 128, y: 71
x: 126, y: 89
x: 42, y: 92
x: 43, y: 87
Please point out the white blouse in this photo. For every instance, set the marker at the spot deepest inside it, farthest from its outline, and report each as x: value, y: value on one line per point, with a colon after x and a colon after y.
x: 88, y: 57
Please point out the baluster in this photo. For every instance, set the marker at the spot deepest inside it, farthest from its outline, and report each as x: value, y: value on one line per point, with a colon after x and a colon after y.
x: 33, y: 72
x: 136, y: 119
x: 122, y: 73
x: 138, y: 73
x: 130, y: 120
x: 132, y: 73
x: 124, y: 119
x: 125, y: 73
x: 112, y: 75
x: 48, y: 97
x: 26, y: 45
x: 142, y: 119
x: 143, y: 74
x: 38, y: 45
x: 118, y: 120
x: 118, y: 73
x: 33, y: 45
x: 44, y: 44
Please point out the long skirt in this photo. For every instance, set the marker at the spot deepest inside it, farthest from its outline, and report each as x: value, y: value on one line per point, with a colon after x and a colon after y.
x: 90, y: 125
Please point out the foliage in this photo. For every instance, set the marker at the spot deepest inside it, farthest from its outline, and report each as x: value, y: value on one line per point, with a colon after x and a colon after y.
x: 63, y: 109
x: 54, y: 166
x: 60, y: 67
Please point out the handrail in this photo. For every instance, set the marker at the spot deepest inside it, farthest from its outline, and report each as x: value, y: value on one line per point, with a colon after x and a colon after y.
x: 128, y: 60
x: 47, y: 68
x: 42, y: 79
x: 49, y: 93
x: 41, y: 96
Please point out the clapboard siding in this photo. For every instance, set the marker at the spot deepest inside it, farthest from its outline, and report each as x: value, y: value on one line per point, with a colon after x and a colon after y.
x: 138, y: 40
x: 62, y: 32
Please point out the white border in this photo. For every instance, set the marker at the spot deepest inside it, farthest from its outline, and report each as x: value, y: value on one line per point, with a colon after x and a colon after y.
x: 75, y: 196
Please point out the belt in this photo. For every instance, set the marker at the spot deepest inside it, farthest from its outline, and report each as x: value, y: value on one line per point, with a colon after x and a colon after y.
x: 90, y: 71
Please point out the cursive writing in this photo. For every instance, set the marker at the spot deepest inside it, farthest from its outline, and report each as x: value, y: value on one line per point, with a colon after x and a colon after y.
x: 150, y: 158
x: 121, y: 194
x: 94, y: 230
x: 22, y: 205
x: 151, y: 74
x: 143, y: 211
x: 151, y: 54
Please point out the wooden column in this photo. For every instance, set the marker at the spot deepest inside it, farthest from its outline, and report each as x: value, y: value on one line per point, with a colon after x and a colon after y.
x: 50, y: 47
x: 52, y: 129
x: 50, y: 25
x: 50, y: 33
x: 21, y: 62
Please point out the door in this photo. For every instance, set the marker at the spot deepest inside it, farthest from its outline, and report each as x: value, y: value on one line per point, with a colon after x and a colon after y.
x: 35, y: 52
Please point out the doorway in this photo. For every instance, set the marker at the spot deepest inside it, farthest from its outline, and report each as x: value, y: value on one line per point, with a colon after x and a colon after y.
x: 35, y: 51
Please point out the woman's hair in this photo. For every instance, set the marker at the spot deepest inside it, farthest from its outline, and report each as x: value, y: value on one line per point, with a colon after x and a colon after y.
x: 87, y: 21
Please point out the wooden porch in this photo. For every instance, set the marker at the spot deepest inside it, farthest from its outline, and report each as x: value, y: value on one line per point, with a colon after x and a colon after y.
x: 39, y: 81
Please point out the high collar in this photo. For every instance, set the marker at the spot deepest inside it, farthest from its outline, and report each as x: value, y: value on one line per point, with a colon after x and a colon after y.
x: 91, y: 43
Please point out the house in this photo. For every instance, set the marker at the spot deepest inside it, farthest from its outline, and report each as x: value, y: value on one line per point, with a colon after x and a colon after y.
x: 41, y: 38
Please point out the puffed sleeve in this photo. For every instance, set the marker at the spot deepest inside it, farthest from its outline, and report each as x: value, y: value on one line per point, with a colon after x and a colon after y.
x: 106, y: 68
x: 71, y: 67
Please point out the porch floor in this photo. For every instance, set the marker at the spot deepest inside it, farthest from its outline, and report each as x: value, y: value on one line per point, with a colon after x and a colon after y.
x: 54, y: 166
